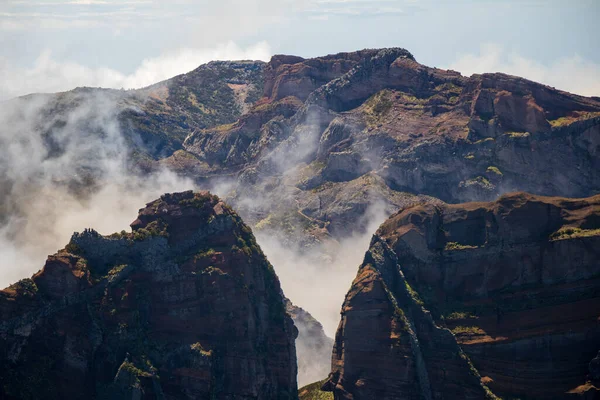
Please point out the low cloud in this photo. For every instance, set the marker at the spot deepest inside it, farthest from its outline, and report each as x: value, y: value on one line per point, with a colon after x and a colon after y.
x: 47, y: 162
x: 48, y: 74
x: 573, y: 74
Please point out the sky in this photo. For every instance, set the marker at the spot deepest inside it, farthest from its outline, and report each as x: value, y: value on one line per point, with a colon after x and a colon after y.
x: 56, y: 45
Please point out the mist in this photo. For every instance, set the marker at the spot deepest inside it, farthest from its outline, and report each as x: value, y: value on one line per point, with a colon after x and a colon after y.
x: 65, y: 166
x: 318, y: 280
x: 62, y: 171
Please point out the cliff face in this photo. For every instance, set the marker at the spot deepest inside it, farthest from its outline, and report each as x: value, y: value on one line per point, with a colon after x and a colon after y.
x: 378, y: 122
x: 185, y: 306
x: 453, y: 301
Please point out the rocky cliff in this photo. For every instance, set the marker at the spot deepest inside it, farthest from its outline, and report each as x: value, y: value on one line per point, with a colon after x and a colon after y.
x: 459, y: 301
x: 185, y: 306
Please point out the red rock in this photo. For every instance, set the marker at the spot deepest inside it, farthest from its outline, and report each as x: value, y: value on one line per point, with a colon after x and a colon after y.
x: 516, y: 280
x: 185, y: 306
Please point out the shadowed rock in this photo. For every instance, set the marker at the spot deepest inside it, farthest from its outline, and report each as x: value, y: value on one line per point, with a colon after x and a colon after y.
x: 185, y: 306
x: 453, y: 301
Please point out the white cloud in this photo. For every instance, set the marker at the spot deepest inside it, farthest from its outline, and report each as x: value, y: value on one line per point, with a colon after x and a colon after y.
x: 573, y: 74
x: 51, y: 75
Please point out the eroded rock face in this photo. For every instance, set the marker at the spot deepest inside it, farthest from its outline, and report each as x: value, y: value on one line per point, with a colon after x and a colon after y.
x: 185, y: 306
x: 379, y: 122
x: 313, y: 346
x: 501, y: 296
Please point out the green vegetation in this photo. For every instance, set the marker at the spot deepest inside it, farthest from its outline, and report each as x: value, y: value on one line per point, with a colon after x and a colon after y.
x: 154, y: 228
x: 570, y: 232
x: 133, y: 370
x: 488, y: 393
x: 414, y: 294
x: 199, y: 200
x: 569, y: 119
x: 562, y: 121
x: 205, y: 254
x: 73, y: 248
x: 25, y: 287
x: 469, y: 157
x: 458, y: 315
x: 119, y: 235
x: 314, y: 392
x: 493, y: 170
x: 457, y: 246
x: 116, y: 270
x: 468, y: 330
x: 480, y: 181
x: 517, y: 134
x: 382, y: 103
x: 486, y: 140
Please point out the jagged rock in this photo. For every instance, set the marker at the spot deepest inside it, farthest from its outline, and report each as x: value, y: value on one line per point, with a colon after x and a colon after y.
x: 185, y: 306
x: 452, y: 299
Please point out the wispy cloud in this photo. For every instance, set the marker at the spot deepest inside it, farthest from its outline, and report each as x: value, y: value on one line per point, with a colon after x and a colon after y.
x: 321, y: 9
x: 573, y: 74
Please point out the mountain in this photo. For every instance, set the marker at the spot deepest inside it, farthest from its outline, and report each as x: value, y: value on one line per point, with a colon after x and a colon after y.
x: 470, y: 300
x: 391, y: 128
x: 185, y: 306
x: 320, y: 140
x: 312, y: 153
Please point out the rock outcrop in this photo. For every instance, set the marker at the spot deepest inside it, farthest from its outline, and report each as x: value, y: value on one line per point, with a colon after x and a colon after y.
x: 459, y: 301
x: 313, y: 346
x: 184, y: 307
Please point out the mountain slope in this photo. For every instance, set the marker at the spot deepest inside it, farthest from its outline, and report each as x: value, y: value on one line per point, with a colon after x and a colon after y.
x: 306, y: 134
x: 453, y: 297
x: 185, y: 306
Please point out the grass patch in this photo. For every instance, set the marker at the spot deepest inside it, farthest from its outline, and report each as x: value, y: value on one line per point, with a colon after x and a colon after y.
x: 457, y: 246
x: 493, y: 170
x: 562, y: 121
x: 314, y: 392
x: 467, y: 330
x: 25, y: 287
x: 414, y: 294
x: 517, y: 134
x: 486, y: 140
x: 480, y: 181
x: 458, y: 315
x: 570, y: 232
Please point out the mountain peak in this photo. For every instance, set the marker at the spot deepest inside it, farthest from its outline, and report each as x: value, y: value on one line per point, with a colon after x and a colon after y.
x: 172, y: 307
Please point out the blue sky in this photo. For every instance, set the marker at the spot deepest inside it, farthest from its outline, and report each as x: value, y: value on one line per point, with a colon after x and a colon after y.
x: 53, y: 45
